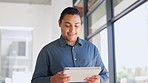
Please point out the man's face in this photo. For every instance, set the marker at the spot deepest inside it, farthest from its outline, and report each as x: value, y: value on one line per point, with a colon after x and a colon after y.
x: 70, y: 27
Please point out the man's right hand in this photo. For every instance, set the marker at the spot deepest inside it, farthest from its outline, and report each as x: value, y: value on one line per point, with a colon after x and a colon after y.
x: 59, y: 78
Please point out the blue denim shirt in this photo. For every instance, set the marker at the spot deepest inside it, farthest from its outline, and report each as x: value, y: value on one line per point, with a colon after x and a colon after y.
x: 57, y: 55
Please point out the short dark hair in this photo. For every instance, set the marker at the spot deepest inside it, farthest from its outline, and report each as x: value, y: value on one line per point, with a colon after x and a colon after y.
x: 69, y: 10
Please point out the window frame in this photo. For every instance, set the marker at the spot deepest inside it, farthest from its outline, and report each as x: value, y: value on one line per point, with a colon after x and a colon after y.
x: 111, y: 19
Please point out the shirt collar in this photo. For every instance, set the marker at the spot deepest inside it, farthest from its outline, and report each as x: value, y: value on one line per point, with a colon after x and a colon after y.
x: 63, y: 42
x: 80, y: 42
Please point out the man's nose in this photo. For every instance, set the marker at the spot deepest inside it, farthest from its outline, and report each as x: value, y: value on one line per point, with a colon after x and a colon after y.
x: 72, y: 28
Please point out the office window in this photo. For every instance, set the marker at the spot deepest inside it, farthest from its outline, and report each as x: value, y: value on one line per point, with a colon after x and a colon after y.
x: 15, y: 51
x: 92, y: 3
x: 22, y: 48
x: 121, y: 5
x: 16, y: 48
x: 97, y: 18
x: 100, y: 40
x: 131, y: 45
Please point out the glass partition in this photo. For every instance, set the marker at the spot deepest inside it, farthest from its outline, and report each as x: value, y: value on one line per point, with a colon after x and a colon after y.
x: 98, y: 18
x: 121, y: 5
x: 131, y: 41
x: 100, y: 40
x: 15, y: 54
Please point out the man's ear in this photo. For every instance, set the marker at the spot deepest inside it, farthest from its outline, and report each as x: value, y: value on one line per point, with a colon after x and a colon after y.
x: 59, y: 23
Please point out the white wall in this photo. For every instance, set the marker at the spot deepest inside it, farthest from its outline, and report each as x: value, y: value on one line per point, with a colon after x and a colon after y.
x: 21, y: 77
x: 26, y: 15
x: 42, y: 18
x: 57, y: 7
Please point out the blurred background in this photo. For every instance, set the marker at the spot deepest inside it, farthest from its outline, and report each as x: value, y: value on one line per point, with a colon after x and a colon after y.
x: 119, y: 28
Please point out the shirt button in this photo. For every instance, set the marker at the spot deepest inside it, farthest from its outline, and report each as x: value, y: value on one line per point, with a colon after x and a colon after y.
x: 75, y: 59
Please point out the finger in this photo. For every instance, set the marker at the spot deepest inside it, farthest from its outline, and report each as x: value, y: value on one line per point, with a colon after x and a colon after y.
x: 65, y: 80
x: 87, y: 79
x: 59, y: 72
x: 68, y: 78
x: 95, y: 76
x: 95, y: 79
x: 92, y: 80
x: 63, y: 76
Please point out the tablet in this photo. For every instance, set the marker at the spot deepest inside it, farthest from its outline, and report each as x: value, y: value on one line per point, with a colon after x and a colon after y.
x: 78, y: 74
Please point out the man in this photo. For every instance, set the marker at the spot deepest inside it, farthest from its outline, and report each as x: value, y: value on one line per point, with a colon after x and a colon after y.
x: 68, y: 51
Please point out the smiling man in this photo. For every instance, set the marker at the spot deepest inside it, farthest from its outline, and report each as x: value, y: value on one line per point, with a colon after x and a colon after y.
x: 68, y: 51
x: 70, y: 28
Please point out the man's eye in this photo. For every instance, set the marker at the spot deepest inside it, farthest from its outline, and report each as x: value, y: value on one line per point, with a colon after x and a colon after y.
x: 77, y: 25
x: 67, y: 25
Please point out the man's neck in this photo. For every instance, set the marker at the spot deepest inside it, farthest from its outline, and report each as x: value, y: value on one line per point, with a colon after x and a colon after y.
x: 72, y: 43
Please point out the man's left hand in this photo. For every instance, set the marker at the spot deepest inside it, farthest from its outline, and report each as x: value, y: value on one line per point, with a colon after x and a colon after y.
x: 93, y: 79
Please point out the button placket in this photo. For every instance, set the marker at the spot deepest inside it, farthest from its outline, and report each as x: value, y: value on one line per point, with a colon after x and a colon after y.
x: 74, y: 53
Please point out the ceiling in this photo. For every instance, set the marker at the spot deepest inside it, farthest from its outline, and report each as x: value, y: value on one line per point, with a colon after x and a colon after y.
x: 44, y: 2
